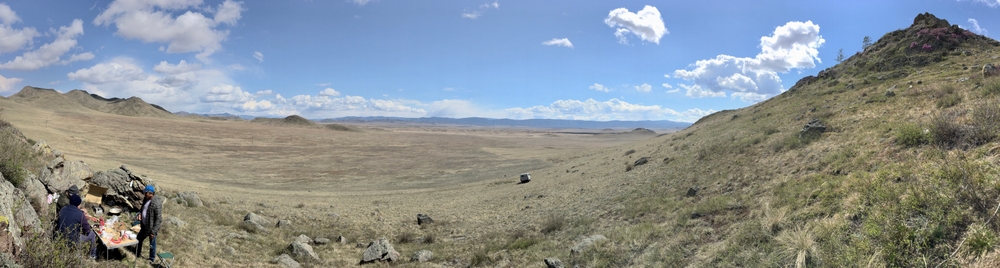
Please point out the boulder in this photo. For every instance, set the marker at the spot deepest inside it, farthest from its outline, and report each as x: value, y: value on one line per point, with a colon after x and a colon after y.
x: 692, y: 191
x: 890, y: 94
x: 36, y: 193
x: 283, y: 224
x: 175, y: 222
x: 424, y: 219
x: 286, y: 261
x: 343, y: 240
x: 641, y: 161
x: 525, y: 178
x: 814, y: 126
x: 189, y: 199
x: 554, y: 263
x: 321, y: 241
x: 43, y: 148
x: 989, y: 70
x: 59, y: 174
x: 379, y: 250
x: 7, y: 261
x: 303, y: 239
x: 422, y: 256
x: 302, y: 250
x: 586, y: 243
x: 252, y: 226
x: 256, y: 218
x: 17, y: 215
x: 124, y: 187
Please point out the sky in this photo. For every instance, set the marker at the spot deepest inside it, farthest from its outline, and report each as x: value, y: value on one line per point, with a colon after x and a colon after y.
x: 583, y: 60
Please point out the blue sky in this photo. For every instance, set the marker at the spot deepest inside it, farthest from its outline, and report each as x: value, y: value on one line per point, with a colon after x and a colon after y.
x: 590, y: 60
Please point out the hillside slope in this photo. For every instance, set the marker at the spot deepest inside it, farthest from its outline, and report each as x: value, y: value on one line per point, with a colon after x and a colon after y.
x: 133, y: 106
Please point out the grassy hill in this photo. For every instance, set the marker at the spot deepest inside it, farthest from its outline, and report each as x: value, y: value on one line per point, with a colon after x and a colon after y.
x: 133, y: 106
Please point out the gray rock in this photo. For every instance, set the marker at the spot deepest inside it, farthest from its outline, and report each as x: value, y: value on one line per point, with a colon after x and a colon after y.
x: 321, y: 241
x: 229, y: 250
x: 334, y: 215
x: 36, y: 193
x: 58, y: 175
x: 43, y: 148
x: 422, y: 256
x: 343, y: 240
x: 7, y: 261
x: 235, y: 235
x: 963, y: 79
x: 189, y: 199
x: 124, y: 188
x: 257, y: 218
x: 175, y: 222
x: 379, y: 250
x: 692, y: 191
x: 641, y: 161
x: 283, y: 224
x: 57, y: 153
x: 19, y: 214
x: 302, y: 250
x: 586, y: 243
x: 359, y: 245
x: 989, y: 69
x: 253, y: 227
x: 814, y: 126
x: 554, y: 263
x: 303, y: 239
x: 424, y: 219
x: 890, y: 94
x: 525, y: 178
x: 286, y: 261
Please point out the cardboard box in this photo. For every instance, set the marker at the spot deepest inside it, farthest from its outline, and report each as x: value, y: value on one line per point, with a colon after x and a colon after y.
x: 95, y: 194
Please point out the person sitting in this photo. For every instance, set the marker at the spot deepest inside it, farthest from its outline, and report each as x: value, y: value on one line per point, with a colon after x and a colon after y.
x: 74, y: 227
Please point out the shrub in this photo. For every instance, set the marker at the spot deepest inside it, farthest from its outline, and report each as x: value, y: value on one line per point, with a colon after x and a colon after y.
x: 945, y: 130
x: 429, y: 238
x: 405, y: 237
x: 985, y: 121
x: 980, y: 239
x: 553, y: 224
x: 910, y: 135
x: 632, y: 151
x: 948, y: 101
x: 991, y: 86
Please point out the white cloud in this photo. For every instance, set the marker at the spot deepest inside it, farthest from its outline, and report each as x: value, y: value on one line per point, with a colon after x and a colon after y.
x: 259, y: 56
x: 13, y: 39
x: 559, y: 42
x: 666, y: 75
x: 667, y: 85
x: 347, y: 105
x: 51, y: 53
x: 591, y: 109
x: 472, y: 15
x: 791, y: 46
x: 695, y: 91
x: 263, y: 93
x: 237, y: 67
x: 976, y: 28
x: 329, y: 92
x: 7, y: 15
x: 644, y: 88
x: 323, y: 84
x: 118, y: 70
x: 495, y: 4
x: 647, y: 23
x: 990, y: 3
x: 227, y: 93
x: 180, y: 67
x: 360, y: 2
x: 675, y: 90
x: 253, y: 105
x: 601, y: 88
x: 152, y: 21
x: 9, y: 84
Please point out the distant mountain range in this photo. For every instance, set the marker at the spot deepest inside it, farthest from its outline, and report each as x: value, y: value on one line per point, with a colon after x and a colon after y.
x: 538, y: 123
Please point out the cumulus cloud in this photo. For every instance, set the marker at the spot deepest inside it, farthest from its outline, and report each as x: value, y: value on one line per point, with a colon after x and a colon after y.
x: 667, y: 85
x: 591, y: 109
x: 9, y: 84
x: 975, y: 26
x: 13, y: 39
x: 329, y: 92
x: 259, y: 56
x: 791, y: 46
x: 644, y: 88
x: 51, y: 53
x: 558, y: 42
x: 672, y: 90
x: 7, y: 15
x: 103, y: 73
x: 180, y: 67
x: 153, y: 22
x: 646, y: 24
x: 601, y: 88
x: 226, y: 93
x: 475, y: 14
x: 472, y: 15
x: 495, y: 4
x: 325, y: 105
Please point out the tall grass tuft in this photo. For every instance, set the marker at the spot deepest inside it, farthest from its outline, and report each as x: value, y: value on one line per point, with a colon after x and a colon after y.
x: 16, y: 157
x: 800, y: 245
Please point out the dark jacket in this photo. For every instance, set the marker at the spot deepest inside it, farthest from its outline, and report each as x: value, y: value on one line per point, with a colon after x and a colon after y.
x: 151, y: 223
x: 71, y: 222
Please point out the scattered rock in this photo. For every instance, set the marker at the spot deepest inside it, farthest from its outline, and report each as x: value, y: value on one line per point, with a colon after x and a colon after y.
x: 587, y: 242
x: 175, y: 222
x: 252, y: 226
x: 302, y: 250
x: 525, y: 178
x: 359, y: 245
x: 229, y: 250
x: 343, y: 240
x: 321, y: 241
x: 124, y: 188
x: 554, y: 263
x: 286, y: 261
x: 235, y: 235
x: 256, y: 218
x: 692, y: 191
x: 630, y: 151
x: 989, y: 69
x: 303, y: 239
x: 963, y: 79
x: 189, y: 199
x: 424, y: 219
x: 283, y: 224
x: 814, y: 126
x: 890, y: 94
x: 642, y: 161
x: 695, y: 215
x: 334, y: 215
x: 422, y: 256
x: 379, y: 250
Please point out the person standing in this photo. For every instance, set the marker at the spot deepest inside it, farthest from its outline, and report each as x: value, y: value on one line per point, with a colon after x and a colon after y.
x: 73, y: 225
x: 149, y: 222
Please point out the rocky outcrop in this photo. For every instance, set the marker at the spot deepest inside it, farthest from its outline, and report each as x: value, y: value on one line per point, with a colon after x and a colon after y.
x: 990, y: 70
x: 60, y: 174
x: 16, y: 214
x: 814, y: 126
x: 586, y: 243
x: 303, y: 239
x: 424, y: 219
x: 36, y: 193
x: 422, y: 256
x: 175, y: 222
x: 189, y: 199
x: 252, y: 226
x: 302, y: 250
x: 554, y: 263
x: 379, y: 250
x: 256, y: 218
x: 285, y: 261
x: 283, y: 224
x: 641, y: 161
x: 124, y: 187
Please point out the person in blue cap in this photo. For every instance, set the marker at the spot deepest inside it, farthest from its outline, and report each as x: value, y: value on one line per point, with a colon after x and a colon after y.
x: 149, y: 222
x: 74, y: 227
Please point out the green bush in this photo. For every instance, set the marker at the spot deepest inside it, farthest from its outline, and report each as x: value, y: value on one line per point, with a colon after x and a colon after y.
x: 991, y: 87
x: 945, y: 130
x: 949, y: 101
x: 910, y: 135
x: 985, y: 121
